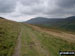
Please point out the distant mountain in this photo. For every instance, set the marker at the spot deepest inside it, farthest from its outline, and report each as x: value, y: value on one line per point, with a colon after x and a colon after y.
x: 64, y: 23
x: 42, y: 20
x: 37, y: 20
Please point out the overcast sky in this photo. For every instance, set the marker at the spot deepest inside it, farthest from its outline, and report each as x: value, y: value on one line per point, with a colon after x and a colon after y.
x: 22, y: 10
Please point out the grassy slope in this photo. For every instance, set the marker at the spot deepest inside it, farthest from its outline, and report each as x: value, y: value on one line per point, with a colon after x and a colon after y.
x: 70, y: 28
x: 64, y: 24
x: 49, y: 42
x: 54, y: 44
x: 9, y: 31
x: 26, y: 48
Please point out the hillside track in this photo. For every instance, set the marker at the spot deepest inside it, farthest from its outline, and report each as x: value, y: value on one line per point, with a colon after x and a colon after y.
x: 18, y: 45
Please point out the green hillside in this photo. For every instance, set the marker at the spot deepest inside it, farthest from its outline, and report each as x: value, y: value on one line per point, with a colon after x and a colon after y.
x: 66, y: 24
x: 28, y: 40
x: 9, y: 31
x: 33, y: 39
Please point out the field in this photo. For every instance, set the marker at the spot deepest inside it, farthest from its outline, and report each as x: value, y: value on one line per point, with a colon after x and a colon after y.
x: 20, y: 39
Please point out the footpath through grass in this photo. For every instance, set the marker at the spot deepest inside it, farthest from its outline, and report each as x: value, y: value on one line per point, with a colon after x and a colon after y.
x: 27, y: 48
x: 52, y: 43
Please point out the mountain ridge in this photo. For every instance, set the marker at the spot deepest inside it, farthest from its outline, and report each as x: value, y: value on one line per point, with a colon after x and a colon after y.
x: 60, y: 23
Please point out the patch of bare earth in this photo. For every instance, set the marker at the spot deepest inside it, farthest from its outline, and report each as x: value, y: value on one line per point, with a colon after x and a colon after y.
x: 18, y: 46
x: 65, y: 36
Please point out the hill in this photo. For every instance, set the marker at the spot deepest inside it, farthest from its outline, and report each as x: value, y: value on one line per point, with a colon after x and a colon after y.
x: 42, y: 20
x: 21, y: 39
x: 9, y: 31
x: 61, y: 23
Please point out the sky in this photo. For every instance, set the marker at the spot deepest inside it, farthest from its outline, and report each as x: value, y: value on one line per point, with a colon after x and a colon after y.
x: 22, y: 10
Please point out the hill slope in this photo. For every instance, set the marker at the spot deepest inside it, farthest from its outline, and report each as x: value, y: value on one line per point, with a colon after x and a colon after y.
x: 61, y: 23
x: 9, y: 31
x: 30, y: 40
x: 39, y: 42
x: 42, y: 20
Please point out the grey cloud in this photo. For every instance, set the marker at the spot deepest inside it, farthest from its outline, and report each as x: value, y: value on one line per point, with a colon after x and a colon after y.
x: 29, y: 2
x: 66, y: 3
x: 62, y: 8
x: 7, y: 6
x: 32, y: 7
x: 34, y: 10
x: 55, y: 8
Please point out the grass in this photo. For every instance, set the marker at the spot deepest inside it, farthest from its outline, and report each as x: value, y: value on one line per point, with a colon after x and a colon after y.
x: 54, y: 44
x: 9, y: 31
x: 27, y: 48
x: 69, y: 28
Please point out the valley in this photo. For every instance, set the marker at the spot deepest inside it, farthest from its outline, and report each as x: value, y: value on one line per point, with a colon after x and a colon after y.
x: 23, y: 39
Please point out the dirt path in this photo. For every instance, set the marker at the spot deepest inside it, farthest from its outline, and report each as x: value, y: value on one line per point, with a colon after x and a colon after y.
x: 63, y: 35
x: 18, y: 46
x: 38, y: 46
